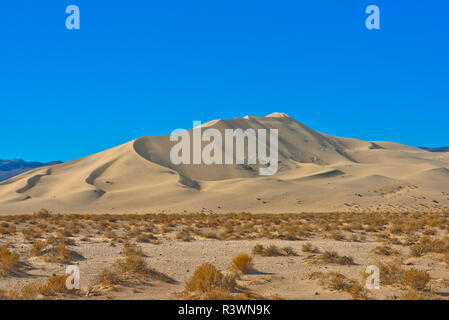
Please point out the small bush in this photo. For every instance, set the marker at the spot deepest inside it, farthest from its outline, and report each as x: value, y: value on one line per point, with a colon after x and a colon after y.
x: 416, y: 279
x: 426, y: 245
x: 132, y: 264
x: 108, y: 277
x: 308, y: 247
x: 333, y: 280
x: 289, y: 251
x: 130, y: 249
x: 358, y: 292
x: 51, y: 287
x: 385, y: 251
x: 272, y: 251
x: 9, y: 261
x: 55, y: 284
x: 207, y: 278
x: 334, y: 257
x: 129, y: 270
x: 391, y: 272
x: 338, y: 236
x: 337, y: 281
x: 258, y: 249
x: 243, y: 262
x: 38, y: 248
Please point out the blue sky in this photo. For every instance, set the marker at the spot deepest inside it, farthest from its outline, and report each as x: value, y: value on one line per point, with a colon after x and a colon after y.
x: 147, y: 67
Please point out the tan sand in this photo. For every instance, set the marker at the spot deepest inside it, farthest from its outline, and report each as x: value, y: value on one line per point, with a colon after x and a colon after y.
x: 317, y: 173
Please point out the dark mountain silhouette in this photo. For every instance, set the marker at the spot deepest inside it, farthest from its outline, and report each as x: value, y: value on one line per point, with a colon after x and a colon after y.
x: 11, y: 168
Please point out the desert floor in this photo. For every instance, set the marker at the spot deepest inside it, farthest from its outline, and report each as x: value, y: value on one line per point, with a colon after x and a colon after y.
x: 297, y: 256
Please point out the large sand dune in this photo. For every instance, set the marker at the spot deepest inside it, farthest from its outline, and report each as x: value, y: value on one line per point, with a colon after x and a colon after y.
x: 317, y: 172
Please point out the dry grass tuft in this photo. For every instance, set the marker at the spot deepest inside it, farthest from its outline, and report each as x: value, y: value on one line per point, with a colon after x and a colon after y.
x: 385, y: 251
x: 309, y: 248
x: 38, y: 290
x: 358, y: 292
x: 416, y: 279
x: 132, y: 268
x: 273, y: 251
x: 210, y: 283
x: 243, y: 262
x: 9, y: 261
x: 334, y: 257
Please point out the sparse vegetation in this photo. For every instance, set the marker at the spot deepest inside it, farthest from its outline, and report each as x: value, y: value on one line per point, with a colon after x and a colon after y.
x: 9, y: 261
x: 273, y: 251
x: 385, y: 251
x: 334, y: 257
x: 309, y: 248
x: 416, y: 279
x: 210, y: 283
x: 421, y: 238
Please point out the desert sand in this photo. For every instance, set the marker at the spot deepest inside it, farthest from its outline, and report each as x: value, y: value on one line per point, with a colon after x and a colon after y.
x: 317, y: 173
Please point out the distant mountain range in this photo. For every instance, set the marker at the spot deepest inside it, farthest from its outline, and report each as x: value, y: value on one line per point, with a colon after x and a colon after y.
x: 442, y: 149
x: 11, y: 168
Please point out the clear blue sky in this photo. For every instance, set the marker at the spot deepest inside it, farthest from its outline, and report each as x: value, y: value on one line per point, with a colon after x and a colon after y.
x: 147, y: 67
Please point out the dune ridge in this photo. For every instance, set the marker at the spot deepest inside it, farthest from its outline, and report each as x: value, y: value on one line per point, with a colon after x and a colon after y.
x: 317, y: 173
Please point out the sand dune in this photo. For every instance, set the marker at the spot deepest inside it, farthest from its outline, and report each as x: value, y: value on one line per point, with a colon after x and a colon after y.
x: 317, y: 172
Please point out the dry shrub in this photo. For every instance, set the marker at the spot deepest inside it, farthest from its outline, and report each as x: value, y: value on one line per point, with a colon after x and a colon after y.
x: 273, y: 251
x: 34, y: 290
x: 184, y: 236
x: 208, y: 279
x: 358, y: 292
x: 385, y: 251
x: 334, y: 257
x: 416, y: 279
x: 133, y: 264
x: 391, y: 273
x: 58, y: 252
x: 131, y: 249
x: 9, y: 261
x: 289, y: 251
x: 337, y: 236
x: 333, y: 281
x: 145, y: 238
x: 337, y: 281
x: 308, y: 247
x: 130, y: 269
x: 38, y: 248
x: 55, y: 284
x: 243, y: 262
x: 258, y: 249
x: 108, y: 277
x: 31, y: 233
x: 426, y: 245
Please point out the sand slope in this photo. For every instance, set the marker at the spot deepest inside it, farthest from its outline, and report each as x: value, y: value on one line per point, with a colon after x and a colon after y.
x: 317, y: 172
